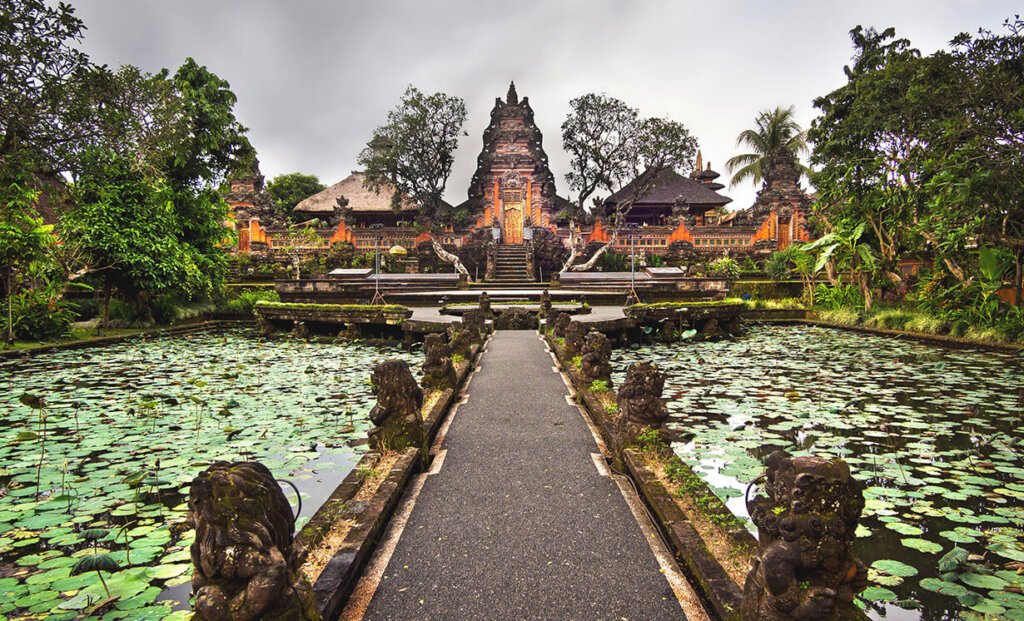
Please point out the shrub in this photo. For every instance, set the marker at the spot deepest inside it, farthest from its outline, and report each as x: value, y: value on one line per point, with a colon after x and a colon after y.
x: 842, y: 317
x: 245, y: 302
x: 838, y: 296
x: 36, y: 316
x: 777, y: 266
x: 724, y: 267
x: 599, y: 386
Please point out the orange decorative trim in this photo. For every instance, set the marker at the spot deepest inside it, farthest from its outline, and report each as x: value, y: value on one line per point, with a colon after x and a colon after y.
x: 529, y: 201
x: 599, y: 234
x: 680, y: 234
x: 496, y: 214
x: 422, y: 237
x: 342, y: 234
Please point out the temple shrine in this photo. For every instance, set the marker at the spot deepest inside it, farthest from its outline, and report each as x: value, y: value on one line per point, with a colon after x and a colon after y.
x: 513, y: 196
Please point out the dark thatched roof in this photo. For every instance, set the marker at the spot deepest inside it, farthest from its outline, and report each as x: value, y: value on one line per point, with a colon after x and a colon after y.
x: 668, y: 186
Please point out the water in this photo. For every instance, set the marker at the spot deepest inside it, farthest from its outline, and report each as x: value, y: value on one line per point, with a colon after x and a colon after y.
x: 128, y: 426
x: 933, y: 433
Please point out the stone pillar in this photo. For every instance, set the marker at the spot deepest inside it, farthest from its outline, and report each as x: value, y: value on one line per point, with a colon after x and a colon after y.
x: 245, y: 567
x: 640, y: 404
x: 806, y: 518
x: 485, y: 305
x: 399, y: 424
x: 438, y: 371
x: 597, y: 358
x: 492, y: 261
x: 545, y: 304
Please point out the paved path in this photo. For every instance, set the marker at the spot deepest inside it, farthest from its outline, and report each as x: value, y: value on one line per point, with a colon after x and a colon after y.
x: 518, y: 523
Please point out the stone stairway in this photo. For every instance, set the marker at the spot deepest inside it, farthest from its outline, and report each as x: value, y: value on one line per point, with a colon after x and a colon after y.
x: 511, y: 267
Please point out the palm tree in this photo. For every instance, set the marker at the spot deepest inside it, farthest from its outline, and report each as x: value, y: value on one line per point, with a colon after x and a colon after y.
x: 776, y: 131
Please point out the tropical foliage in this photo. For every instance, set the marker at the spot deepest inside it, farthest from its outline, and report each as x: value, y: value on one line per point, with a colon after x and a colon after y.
x: 290, y: 189
x: 775, y: 131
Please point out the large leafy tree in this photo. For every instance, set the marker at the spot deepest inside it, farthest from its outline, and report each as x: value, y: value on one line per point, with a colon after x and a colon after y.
x: 927, y: 151
x: 23, y: 239
x: 412, y: 155
x: 290, y: 189
x: 611, y: 146
x: 40, y: 69
x: 775, y: 131
x: 127, y: 223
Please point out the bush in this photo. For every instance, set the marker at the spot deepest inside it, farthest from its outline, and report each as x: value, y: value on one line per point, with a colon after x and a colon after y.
x: 777, y: 266
x: 246, y: 301
x: 36, y: 316
x: 839, y: 296
x: 842, y: 316
x: 724, y: 267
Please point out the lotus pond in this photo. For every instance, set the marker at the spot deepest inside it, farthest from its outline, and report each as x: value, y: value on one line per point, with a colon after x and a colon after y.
x: 933, y: 433
x: 103, y: 467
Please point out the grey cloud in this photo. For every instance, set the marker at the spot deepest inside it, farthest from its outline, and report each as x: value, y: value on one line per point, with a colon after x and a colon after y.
x: 314, y: 78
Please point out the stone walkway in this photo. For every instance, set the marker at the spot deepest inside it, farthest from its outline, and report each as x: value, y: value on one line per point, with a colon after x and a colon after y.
x: 519, y: 523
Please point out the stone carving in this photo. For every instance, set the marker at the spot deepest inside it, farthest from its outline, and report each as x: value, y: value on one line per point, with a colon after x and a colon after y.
x: 597, y: 355
x: 575, y: 333
x: 639, y: 398
x: 438, y: 371
x: 485, y: 305
x: 805, y: 568
x: 474, y: 322
x: 245, y: 568
x: 397, y: 413
x: 545, y: 304
x: 562, y: 321
x: 300, y: 330
x: 459, y: 341
x: 515, y: 319
x: 491, y: 267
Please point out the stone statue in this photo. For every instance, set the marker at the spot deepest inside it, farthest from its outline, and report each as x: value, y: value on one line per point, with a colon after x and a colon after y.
x: 397, y: 413
x: 245, y: 568
x: 438, y: 371
x: 485, y: 304
x: 805, y: 568
x: 459, y: 341
x: 491, y: 266
x: 561, y: 323
x: 639, y: 398
x: 515, y: 319
x: 640, y: 406
x: 575, y: 332
x: 545, y: 304
x: 475, y: 323
x: 597, y: 358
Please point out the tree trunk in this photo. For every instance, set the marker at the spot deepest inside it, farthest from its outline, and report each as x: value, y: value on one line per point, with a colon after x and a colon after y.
x: 865, y: 290
x: 448, y: 257
x: 1018, y: 276
x: 107, y: 290
x: 10, y: 301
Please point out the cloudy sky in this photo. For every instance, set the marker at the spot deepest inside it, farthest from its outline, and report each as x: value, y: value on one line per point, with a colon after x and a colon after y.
x: 314, y: 77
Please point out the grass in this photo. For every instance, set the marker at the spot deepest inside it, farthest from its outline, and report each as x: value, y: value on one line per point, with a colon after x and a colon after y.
x: 670, y: 305
x: 776, y: 304
x: 78, y: 335
x: 904, y: 319
x: 333, y: 307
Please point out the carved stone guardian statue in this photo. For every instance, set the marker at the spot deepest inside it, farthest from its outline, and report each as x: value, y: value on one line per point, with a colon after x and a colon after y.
x: 438, y: 371
x: 245, y: 568
x: 640, y: 404
x: 597, y: 358
x: 806, y: 519
x: 561, y: 323
x: 545, y: 304
x: 485, y: 305
x: 575, y: 332
x: 397, y: 413
x: 475, y: 323
x: 459, y: 341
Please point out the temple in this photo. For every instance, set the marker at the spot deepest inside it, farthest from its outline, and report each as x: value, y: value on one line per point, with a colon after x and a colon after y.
x: 512, y: 198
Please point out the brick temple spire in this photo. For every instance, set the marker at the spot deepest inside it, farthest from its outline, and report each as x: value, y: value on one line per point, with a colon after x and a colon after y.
x: 512, y: 97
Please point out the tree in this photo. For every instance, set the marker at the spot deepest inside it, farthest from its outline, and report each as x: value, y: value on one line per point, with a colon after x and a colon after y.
x: 128, y: 223
x: 611, y: 147
x: 775, y: 131
x: 412, y: 156
x: 844, y: 250
x: 22, y: 239
x: 39, y: 71
x: 291, y: 189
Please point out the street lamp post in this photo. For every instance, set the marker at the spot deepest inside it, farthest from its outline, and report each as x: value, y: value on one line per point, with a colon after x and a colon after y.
x: 377, y: 297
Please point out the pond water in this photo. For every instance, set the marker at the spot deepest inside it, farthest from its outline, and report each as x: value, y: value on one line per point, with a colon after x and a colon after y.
x: 126, y: 429
x: 933, y: 433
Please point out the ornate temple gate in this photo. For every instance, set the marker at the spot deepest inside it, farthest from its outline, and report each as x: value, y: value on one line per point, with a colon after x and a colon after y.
x: 512, y: 217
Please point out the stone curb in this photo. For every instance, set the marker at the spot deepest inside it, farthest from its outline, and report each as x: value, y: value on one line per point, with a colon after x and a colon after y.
x: 110, y: 340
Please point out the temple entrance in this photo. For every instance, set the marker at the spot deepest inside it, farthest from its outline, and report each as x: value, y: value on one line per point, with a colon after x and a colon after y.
x: 512, y: 224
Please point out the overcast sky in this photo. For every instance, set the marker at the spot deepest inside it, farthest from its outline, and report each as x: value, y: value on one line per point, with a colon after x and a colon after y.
x: 315, y: 77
